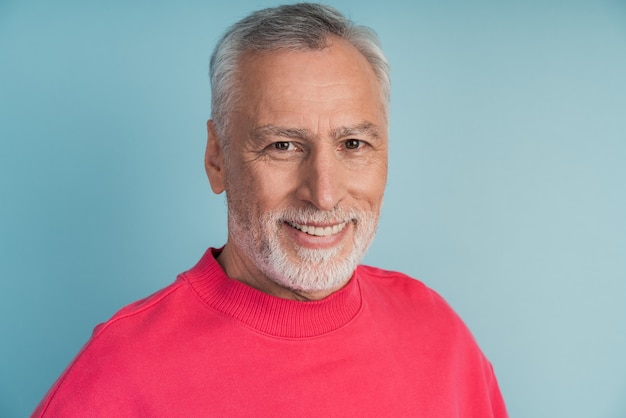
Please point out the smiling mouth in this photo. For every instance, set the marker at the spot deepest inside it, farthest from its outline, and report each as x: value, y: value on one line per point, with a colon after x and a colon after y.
x: 318, y: 231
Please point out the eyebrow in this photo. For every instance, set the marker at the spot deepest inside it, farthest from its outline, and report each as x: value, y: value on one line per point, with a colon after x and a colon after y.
x: 262, y: 132
x: 364, y: 128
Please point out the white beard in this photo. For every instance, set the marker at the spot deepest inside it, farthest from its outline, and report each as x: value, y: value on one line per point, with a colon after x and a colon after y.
x: 314, y: 270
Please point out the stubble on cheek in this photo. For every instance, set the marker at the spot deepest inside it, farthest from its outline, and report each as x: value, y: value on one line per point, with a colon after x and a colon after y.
x: 258, y: 233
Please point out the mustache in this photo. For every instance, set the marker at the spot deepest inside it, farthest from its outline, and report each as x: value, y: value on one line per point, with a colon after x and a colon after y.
x: 312, y: 215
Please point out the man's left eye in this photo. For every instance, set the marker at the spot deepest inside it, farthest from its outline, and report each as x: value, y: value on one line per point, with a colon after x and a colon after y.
x: 352, y: 143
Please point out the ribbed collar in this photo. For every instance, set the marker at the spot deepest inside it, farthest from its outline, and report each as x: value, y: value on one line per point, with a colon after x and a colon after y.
x: 269, y: 314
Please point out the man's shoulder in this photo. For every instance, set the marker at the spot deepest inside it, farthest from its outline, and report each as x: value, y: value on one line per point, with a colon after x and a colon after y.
x: 382, y: 273
x: 105, y: 360
x: 404, y: 290
x: 141, y: 307
x: 390, y: 278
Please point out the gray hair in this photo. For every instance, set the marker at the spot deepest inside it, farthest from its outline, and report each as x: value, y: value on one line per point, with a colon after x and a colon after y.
x: 295, y: 27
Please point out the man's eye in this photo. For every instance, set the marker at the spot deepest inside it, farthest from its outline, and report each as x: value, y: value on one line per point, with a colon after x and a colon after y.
x: 283, y: 146
x: 352, y: 143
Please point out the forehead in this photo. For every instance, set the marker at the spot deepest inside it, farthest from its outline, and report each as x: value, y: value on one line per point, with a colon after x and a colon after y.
x: 337, y: 71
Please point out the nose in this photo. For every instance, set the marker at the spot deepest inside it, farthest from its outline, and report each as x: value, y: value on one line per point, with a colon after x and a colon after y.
x: 322, y: 180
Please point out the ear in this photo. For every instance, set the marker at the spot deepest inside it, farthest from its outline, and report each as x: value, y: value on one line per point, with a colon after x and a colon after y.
x: 214, y: 159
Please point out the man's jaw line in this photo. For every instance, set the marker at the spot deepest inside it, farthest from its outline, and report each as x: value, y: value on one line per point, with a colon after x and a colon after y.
x: 249, y: 274
x: 323, y: 234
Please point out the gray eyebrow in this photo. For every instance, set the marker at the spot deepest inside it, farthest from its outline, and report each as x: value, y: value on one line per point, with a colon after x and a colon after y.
x: 272, y: 130
x: 364, y: 128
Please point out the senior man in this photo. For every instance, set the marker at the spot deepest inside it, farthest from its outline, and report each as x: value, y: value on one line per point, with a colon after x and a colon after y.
x: 282, y: 321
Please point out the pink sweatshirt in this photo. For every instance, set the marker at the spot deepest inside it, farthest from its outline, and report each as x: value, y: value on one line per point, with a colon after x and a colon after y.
x: 385, y: 345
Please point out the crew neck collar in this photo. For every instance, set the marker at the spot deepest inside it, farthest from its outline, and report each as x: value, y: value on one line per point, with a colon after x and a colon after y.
x: 270, y: 314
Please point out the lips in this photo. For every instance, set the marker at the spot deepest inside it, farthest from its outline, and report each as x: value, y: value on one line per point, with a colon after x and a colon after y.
x: 319, y: 231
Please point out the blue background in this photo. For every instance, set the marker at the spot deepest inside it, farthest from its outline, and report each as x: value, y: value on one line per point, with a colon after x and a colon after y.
x: 506, y: 192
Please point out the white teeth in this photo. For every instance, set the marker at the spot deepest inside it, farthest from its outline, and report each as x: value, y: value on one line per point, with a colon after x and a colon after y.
x: 319, y: 231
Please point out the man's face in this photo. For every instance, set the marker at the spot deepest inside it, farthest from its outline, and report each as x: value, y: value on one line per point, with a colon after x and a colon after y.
x: 306, y: 167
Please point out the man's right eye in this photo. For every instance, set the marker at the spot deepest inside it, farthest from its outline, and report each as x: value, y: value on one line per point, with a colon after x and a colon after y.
x: 283, y: 146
